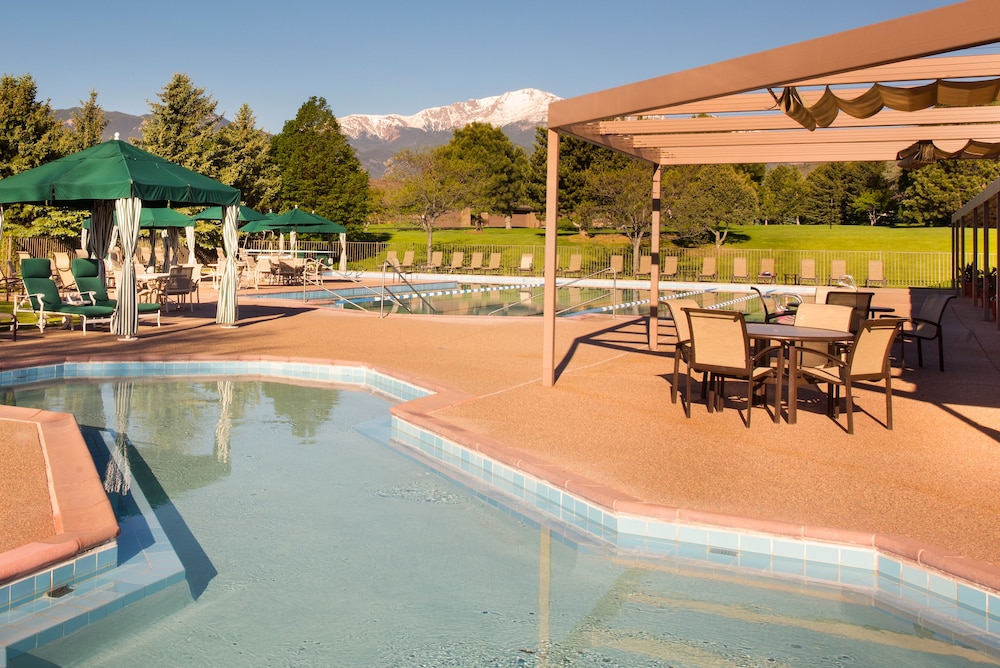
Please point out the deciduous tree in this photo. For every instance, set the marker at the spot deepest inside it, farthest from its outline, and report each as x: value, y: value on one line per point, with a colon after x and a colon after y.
x: 424, y: 185
x: 495, y: 167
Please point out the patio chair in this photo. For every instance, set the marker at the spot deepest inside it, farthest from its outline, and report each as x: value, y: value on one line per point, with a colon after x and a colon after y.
x: 926, y: 326
x: 9, y: 280
x: 180, y: 285
x: 838, y: 268
x: 617, y: 266
x: 9, y: 321
x: 265, y: 272
x: 392, y: 259
x: 575, y: 266
x: 682, y: 348
x: 457, y: 260
x: 876, y: 276
x: 721, y: 349
x: 740, y: 272
x: 494, y: 265
x: 822, y: 316
x: 766, y: 273
x: 645, y: 267
x: 476, y: 264
x: 775, y: 306
x: 668, y: 267
x: 90, y: 286
x: 859, y: 301
x: 42, y: 298
x: 64, y: 271
x: 436, y: 261
x: 708, y: 272
x: 867, y: 360
x: 807, y: 271
x: 527, y: 264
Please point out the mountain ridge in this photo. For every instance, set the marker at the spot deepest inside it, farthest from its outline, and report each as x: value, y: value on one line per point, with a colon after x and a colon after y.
x: 377, y: 137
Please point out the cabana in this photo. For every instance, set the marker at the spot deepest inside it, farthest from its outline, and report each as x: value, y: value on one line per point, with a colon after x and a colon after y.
x: 897, y: 90
x: 117, y: 178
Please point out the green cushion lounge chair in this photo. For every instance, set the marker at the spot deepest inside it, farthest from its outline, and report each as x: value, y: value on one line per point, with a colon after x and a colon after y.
x: 87, y: 274
x: 42, y: 298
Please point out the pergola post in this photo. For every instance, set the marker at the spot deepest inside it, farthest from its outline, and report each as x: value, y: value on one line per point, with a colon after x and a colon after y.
x: 986, y: 259
x: 551, y: 248
x: 654, y: 269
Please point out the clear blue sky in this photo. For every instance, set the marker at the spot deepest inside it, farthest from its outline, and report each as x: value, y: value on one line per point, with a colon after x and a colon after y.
x: 386, y: 57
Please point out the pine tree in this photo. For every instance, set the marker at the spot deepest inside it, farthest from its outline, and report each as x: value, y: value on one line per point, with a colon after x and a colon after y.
x: 319, y: 169
x: 181, y: 128
x: 244, y: 151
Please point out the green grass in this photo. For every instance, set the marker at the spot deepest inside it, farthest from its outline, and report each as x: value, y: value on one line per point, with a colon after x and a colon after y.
x: 777, y: 237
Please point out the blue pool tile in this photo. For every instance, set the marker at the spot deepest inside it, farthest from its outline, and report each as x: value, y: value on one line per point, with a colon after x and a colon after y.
x: 823, y: 554
x: 889, y: 568
x: 788, y: 549
x: 662, y: 530
x: 720, y: 538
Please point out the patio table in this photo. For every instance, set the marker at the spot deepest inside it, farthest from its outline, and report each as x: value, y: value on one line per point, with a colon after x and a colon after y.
x: 789, y: 336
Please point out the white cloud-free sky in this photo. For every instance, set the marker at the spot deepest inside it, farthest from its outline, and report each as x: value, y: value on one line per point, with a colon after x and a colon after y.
x: 391, y: 56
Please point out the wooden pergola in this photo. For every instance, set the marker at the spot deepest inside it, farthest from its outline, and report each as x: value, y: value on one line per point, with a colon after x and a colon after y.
x: 979, y: 215
x: 901, y: 89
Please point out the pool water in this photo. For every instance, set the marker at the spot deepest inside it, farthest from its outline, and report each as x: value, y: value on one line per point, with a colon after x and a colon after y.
x: 451, y: 298
x: 312, y: 540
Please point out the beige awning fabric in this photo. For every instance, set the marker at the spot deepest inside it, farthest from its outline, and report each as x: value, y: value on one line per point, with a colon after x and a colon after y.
x: 925, y: 152
x: 939, y: 93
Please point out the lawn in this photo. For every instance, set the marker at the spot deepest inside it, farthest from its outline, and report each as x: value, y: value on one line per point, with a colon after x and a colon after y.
x: 777, y: 237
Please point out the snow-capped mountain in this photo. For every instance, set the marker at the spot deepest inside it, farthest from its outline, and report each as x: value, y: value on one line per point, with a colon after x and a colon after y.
x: 377, y: 138
x: 522, y: 108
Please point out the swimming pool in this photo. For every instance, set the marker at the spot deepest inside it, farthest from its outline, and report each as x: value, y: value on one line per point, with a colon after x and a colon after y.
x: 310, y: 539
x: 500, y: 299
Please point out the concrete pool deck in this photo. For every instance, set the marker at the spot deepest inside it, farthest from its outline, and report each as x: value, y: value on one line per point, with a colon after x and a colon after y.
x: 930, y: 483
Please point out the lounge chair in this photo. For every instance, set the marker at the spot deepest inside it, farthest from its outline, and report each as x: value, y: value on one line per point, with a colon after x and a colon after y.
x: 668, y: 269
x: 436, y: 262
x: 494, y: 265
x: 807, y: 272
x: 708, y: 271
x: 867, y: 360
x: 876, y: 276
x: 91, y: 288
x: 720, y: 348
x: 766, y: 273
x: 42, y: 298
x: 838, y: 268
x: 406, y: 265
x: 476, y: 264
x: 575, y: 266
x: 64, y: 271
x: 740, y: 272
x: 926, y: 326
x: 527, y: 264
x: 645, y: 267
x: 457, y: 260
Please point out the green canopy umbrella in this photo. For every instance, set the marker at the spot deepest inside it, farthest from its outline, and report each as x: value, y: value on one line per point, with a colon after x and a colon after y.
x: 215, y: 213
x: 303, y: 221
x: 118, y: 177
